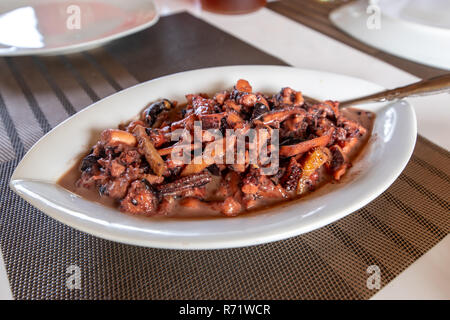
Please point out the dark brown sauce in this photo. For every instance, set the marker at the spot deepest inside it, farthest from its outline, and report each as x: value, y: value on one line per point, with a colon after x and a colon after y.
x: 365, y: 118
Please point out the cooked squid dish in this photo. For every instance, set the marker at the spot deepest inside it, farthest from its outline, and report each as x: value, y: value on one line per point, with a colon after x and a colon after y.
x: 234, y: 152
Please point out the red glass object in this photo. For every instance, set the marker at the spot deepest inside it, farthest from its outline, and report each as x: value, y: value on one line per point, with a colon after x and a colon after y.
x: 232, y: 6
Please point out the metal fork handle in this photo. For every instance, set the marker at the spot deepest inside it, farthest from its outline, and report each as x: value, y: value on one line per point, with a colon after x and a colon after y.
x: 424, y: 87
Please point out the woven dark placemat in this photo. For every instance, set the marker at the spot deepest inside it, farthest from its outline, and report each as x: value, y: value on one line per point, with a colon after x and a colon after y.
x: 37, y: 93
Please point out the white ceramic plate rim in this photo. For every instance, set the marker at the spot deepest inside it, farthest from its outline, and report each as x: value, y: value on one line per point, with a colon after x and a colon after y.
x: 411, y: 22
x: 251, y: 234
x: 409, y: 32
x: 84, y: 45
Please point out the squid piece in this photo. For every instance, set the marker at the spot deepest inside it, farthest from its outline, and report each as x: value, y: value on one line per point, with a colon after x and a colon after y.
x: 248, y: 99
x: 231, y: 207
x: 115, y: 137
x: 348, y: 145
x: 234, y: 120
x: 151, y: 113
x: 177, y: 187
x: 291, y: 176
x: 166, y: 206
x: 187, y: 123
x: 130, y: 127
x: 152, y: 179
x: 151, y: 154
x: 302, y: 147
x: 159, y: 136
x: 288, y: 96
x: 338, y: 164
x: 243, y: 86
x: 211, y: 121
x: 140, y: 200
x: 229, y: 185
x: 299, y: 100
x: 169, y: 150
x: 221, y: 97
x: 215, y: 148
x: 193, y: 168
x: 193, y: 203
x: 334, y: 105
x: 281, y: 114
x: 231, y: 105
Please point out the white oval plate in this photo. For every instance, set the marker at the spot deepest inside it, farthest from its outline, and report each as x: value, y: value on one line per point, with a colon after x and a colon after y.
x: 49, y: 27
x: 387, y: 154
x: 418, y: 30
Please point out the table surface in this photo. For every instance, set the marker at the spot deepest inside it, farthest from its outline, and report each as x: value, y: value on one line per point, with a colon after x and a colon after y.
x: 299, y: 40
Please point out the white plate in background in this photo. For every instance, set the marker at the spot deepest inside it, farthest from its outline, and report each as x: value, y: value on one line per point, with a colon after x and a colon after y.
x: 49, y: 27
x: 418, y: 30
x: 385, y: 157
